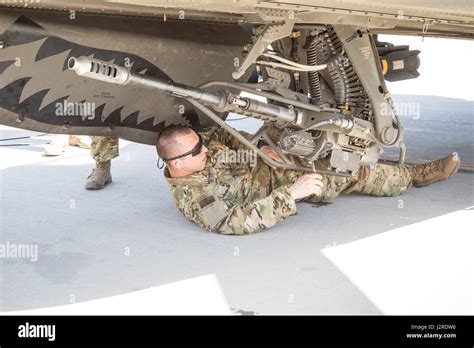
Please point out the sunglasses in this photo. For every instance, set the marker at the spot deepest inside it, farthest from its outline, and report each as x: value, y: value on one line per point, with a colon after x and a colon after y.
x: 196, y: 150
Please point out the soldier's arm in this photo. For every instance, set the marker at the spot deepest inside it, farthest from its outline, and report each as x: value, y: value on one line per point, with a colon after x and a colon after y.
x: 229, y: 140
x: 259, y: 215
x: 214, y: 215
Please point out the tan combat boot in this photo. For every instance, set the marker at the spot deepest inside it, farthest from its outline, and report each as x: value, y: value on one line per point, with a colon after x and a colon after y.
x: 428, y: 173
x: 99, y: 177
x: 81, y: 141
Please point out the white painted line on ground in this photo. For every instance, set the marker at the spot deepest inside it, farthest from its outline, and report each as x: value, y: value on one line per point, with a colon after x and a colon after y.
x: 196, y: 296
x: 422, y: 269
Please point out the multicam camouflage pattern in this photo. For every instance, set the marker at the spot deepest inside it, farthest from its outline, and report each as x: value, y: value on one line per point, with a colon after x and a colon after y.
x: 237, y: 198
x: 104, y: 149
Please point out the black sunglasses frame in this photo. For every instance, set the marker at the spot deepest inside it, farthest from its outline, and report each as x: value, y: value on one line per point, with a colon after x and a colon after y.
x: 196, y: 150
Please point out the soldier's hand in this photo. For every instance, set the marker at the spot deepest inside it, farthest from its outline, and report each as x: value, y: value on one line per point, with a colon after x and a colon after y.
x: 307, y: 185
x: 271, y: 153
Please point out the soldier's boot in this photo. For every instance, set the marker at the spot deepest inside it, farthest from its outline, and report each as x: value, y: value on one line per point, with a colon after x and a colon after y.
x: 99, y: 177
x: 58, y: 145
x: 428, y: 173
x: 81, y: 141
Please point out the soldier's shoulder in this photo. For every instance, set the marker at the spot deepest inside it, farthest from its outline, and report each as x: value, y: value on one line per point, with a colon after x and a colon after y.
x: 190, y: 191
x: 207, y: 133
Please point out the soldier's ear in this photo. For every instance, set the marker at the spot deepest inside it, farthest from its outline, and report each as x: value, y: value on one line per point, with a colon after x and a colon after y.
x: 177, y: 163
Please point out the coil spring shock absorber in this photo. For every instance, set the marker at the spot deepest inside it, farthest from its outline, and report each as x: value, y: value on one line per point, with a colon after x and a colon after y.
x: 314, y: 85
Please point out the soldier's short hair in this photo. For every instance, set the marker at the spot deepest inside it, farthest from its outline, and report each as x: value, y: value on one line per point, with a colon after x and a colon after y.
x: 167, y: 141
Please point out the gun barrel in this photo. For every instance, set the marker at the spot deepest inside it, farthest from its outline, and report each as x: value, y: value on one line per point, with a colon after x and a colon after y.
x: 113, y: 73
x: 178, y: 90
x: 99, y: 70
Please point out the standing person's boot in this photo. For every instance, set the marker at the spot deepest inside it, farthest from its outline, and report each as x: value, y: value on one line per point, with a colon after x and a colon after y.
x: 428, y: 173
x: 58, y: 145
x: 99, y: 177
x: 83, y: 142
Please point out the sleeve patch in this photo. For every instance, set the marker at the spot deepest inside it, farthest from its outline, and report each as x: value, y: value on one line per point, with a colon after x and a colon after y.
x: 206, y: 201
x: 214, y: 212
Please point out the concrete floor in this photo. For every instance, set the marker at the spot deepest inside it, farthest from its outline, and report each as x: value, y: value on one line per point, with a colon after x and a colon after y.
x: 130, y: 236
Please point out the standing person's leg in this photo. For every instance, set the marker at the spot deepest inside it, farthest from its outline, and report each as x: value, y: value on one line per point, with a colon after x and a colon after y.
x: 103, y: 150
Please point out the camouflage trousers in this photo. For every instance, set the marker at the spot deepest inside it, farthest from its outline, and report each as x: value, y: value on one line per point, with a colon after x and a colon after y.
x: 383, y: 180
x: 104, y: 149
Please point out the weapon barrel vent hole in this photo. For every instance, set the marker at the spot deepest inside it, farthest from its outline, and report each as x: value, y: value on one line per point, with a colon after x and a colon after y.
x: 70, y: 63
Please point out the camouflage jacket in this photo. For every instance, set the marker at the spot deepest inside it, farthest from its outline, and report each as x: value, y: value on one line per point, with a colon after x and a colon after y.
x: 231, y: 195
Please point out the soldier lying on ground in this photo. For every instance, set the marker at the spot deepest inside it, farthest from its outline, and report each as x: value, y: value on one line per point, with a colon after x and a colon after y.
x: 227, y: 196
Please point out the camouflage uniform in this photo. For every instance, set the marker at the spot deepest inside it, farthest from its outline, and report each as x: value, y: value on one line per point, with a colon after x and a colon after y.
x: 104, y: 149
x: 235, y: 198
